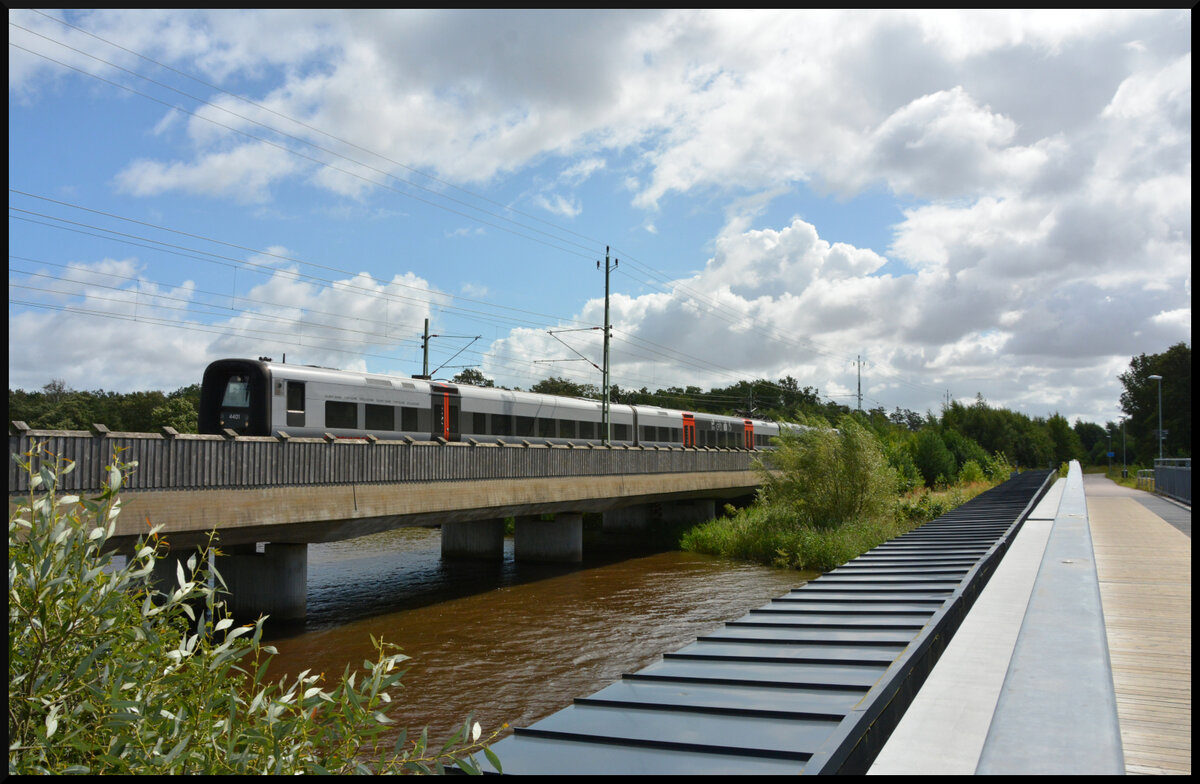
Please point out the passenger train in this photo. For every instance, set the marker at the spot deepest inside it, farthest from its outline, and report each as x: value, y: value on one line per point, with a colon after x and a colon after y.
x: 262, y: 397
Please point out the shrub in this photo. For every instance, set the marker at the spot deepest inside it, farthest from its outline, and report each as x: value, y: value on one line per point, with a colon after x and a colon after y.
x: 971, y: 473
x: 829, y: 477
x: 998, y: 468
x: 107, y: 674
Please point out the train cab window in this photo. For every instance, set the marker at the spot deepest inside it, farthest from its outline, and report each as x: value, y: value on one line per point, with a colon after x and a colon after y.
x: 566, y: 428
x: 341, y: 414
x: 408, y: 418
x: 237, y: 392
x: 381, y: 417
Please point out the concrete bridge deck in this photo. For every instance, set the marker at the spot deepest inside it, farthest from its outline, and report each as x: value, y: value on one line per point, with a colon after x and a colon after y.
x: 978, y: 696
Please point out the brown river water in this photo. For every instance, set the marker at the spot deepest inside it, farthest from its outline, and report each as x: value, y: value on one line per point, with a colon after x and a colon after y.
x: 513, y: 642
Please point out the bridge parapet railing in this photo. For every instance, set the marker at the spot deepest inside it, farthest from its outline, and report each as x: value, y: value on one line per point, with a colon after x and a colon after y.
x: 170, y: 461
x: 1173, y: 478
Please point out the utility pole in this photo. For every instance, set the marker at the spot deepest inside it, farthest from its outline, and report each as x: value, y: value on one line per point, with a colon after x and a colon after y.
x: 606, y: 407
x: 860, y: 362
x: 425, y: 349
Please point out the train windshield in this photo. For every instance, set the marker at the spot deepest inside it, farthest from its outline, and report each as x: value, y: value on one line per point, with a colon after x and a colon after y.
x: 237, y: 392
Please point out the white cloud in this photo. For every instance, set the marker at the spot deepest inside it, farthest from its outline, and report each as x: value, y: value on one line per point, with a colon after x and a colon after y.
x: 557, y: 204
x: 1044, y: 157
x: 176, y: 331
x: 244, y: 174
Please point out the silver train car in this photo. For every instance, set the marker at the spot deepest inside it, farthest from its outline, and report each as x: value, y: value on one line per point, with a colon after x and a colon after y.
x: 261, y: 398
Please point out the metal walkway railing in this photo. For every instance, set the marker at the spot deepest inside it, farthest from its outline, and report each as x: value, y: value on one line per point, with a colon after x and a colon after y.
x: 813, y: 682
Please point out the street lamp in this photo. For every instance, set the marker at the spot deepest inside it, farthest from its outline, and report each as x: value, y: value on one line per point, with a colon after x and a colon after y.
x: 1158, y: 378
x: 1124, y: 470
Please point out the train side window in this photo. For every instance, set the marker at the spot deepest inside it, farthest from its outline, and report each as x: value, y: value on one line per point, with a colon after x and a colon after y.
x: 545, y: 427
x: 676, y: 436
x: 408, y: 419
x: 524, y: 426
x: 620, y: 432
x: 502, y: 424
x: 295, y: 404
x: 566, y: 428
x: 587, y: 429
x: 341, y: 414
x: 381, y: 417
x: 479, y: 423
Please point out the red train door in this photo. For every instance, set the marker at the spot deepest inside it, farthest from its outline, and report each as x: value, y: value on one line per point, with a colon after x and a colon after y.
x: 749, y: 433
x: 689, y: 430
x: 445, y: 405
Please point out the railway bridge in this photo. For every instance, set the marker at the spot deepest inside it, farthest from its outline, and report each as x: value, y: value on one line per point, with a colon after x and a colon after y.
x: 269, y: 497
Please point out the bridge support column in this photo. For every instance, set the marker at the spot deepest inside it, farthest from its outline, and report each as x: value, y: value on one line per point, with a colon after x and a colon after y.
x: 273, y: 582
x: 555, y: 541
x: 482, y: 539
x: 699, y: 510
x: 627, y: 519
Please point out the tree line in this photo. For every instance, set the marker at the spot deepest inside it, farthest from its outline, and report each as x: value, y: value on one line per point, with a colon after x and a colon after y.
x: 922, y: 447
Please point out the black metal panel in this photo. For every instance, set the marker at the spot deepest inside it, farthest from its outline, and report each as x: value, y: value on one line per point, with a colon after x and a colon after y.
x: 812, y: 682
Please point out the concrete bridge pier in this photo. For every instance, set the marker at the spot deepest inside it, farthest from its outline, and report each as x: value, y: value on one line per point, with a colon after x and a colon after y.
x: 697, y: 510
x: 273, y: 582
x: 628, y: 519
x: 474, y: 539
x: 551, y: 541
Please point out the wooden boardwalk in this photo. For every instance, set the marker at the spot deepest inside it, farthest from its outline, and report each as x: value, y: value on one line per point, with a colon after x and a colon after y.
x: 1145, y: 572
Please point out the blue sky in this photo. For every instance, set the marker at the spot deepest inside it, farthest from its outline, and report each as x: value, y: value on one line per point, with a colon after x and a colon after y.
x: 976, y: 203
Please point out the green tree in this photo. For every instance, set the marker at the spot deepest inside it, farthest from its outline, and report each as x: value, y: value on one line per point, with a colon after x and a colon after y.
x: 932, y: 458
x: 963, y: 448
x: 474, y: 377
x: 1139, y: 401
x: 1093, y: 439
x: 566, y: 388
x: 109, y: 674
x: 178, y: 413
x: 1065, y: 440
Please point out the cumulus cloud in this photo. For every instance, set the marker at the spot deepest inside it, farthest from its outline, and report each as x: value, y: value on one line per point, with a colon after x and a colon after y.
x: 129, y: 333
x: 1042, y: 158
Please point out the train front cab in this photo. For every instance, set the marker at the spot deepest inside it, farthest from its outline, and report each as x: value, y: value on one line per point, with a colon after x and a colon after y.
x: 234, y: 395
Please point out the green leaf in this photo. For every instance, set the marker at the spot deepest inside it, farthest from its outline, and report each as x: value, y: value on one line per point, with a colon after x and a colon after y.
x: 492, y: 758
